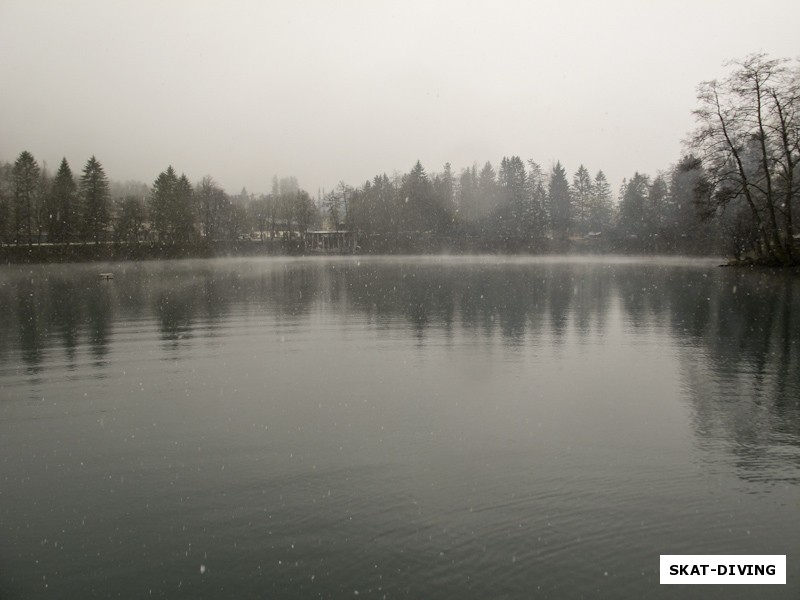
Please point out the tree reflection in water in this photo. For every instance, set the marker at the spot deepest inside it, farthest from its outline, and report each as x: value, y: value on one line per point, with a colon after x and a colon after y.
x: 736, y: 332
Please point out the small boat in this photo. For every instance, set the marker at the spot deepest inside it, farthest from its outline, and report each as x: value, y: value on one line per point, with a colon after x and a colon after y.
x: 106, y: 276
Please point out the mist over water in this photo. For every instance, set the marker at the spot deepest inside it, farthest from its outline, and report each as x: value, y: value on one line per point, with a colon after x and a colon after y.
x: 412, y: 427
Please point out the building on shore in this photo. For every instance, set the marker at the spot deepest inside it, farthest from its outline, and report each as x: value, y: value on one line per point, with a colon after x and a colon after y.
x: 332, y: 242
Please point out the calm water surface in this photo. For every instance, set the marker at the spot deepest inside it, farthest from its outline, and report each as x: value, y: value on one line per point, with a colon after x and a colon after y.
x: 418, y: 428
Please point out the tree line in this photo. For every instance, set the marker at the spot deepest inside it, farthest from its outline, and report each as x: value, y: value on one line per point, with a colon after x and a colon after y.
x: 522, y: 207
x: 37, y: 207
x: 734, y: 191
x: 517, y: 207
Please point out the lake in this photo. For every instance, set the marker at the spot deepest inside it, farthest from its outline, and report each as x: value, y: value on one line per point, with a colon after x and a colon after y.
x: 394, y: 427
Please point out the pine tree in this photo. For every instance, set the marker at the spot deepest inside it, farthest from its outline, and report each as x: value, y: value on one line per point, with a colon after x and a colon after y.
x: 387, y: 204
x: 161, y: 204
x: 171, y: 207
x: 417, y: 193
x: 558, y: 197
x: 487, y: 189
x: 95, y: 198
x: 63, y: 205
x: 601, y: 208
x: 183, y: 212
x: 43, y: 212
x: 25, y: 188
x: 581, y: 199
x: 691, y: 231
x: 515, y: 210
x: 445, y: 189
x: 658, y: 206
x: 537, y: 194
x: 633, y: 207
x: 467, y: 195
x: 6, y: 200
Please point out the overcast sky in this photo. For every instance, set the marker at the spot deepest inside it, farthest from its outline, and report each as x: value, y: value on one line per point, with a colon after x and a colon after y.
x: 346, y: 90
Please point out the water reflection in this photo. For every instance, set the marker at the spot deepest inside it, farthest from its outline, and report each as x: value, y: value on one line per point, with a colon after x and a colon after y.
x: 65, y: 317
x: 513, y: 300
x: 736, y: 333
x: 176, y: 310
x: 32, y: 326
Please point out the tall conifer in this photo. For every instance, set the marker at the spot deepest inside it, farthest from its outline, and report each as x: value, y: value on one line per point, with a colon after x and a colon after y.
x: 94, y: 192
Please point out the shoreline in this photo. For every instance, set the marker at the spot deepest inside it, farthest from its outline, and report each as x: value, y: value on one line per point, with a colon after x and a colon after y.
x: 107, y: 252
x: 762, y: 264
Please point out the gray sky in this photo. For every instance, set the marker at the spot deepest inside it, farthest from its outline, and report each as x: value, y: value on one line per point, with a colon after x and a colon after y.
x: 346, y: 90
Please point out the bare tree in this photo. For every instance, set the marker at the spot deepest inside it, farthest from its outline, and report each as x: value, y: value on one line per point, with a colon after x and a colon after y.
x: 747, y: 138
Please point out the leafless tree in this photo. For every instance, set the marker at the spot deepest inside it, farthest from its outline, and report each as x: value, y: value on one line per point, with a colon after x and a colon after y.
x: 748, y: 137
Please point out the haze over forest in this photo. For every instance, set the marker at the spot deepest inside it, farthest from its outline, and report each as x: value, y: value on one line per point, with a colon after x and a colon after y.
x: 328, y: 92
